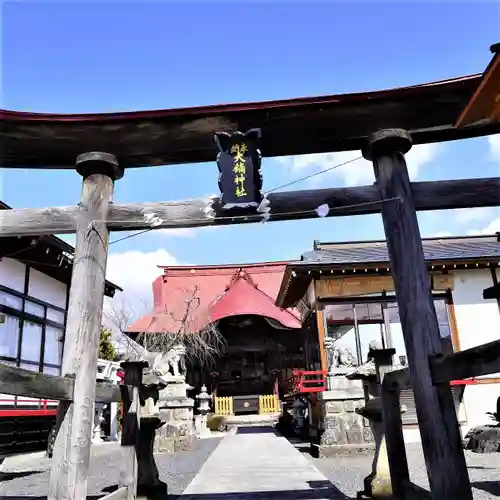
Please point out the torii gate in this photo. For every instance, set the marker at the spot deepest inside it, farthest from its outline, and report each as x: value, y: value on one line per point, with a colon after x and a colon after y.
x: 382, y: 124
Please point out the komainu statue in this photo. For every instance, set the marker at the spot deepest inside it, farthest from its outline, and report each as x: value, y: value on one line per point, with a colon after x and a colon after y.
x: 175, y: 360
x: 337, y: 357
x: 164, y: 366
x: 346, y: 357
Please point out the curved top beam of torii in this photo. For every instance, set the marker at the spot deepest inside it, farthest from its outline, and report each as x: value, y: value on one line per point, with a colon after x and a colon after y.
x: 430, y: 112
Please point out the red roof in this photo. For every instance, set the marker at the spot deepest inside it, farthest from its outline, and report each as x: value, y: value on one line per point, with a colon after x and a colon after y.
x: 218, y: 292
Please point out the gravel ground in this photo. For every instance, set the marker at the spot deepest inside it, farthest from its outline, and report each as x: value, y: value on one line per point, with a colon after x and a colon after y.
x: 27, y: 479
x: 347, y: 473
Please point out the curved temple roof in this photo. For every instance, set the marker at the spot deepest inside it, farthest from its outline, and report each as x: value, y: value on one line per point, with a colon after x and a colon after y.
x: 221, y: 292
x: 294, y: 126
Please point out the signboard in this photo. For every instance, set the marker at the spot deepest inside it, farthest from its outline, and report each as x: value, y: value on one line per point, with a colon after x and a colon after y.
x: 352, y: 287
x: 366, y: 285
x: 239, y: 161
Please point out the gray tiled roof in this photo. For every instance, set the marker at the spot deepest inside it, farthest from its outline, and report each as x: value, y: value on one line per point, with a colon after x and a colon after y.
x: 435, y: 249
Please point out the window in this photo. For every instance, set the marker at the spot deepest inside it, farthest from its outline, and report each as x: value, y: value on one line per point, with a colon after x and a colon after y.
x: 6, y: 299
x: 441, y: 308
x: 30, y: 331
x: 32, y: 341
x: 34, y: 367
x: 9, y: 335
x: 370, y: 311
x: 34, y: 309
x: 55, y: 316
x: 339, y: 313
x: 51, y: 370
x: 53, y: 345
x: 354, y: 325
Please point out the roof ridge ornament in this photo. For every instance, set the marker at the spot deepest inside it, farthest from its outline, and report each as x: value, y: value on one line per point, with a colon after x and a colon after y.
x: 242, y: 273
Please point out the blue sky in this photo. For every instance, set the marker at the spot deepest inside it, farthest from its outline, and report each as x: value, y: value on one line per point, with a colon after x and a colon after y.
x: 98, y: 57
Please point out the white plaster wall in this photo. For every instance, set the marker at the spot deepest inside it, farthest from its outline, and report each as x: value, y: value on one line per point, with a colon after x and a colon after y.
x: 47, y: 289
x: 412, y: 434
x: 12, y: 274
x: 479, y: 399
x: 478, y: 322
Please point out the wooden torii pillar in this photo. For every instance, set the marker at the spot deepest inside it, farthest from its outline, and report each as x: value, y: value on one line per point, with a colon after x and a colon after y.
x: 71, y: 456
x: 439, y: 429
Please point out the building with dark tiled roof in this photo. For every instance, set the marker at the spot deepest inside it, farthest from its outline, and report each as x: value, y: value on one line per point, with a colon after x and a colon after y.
x: 277, y: 316
x: 35, y: 278
x: 348, y: 287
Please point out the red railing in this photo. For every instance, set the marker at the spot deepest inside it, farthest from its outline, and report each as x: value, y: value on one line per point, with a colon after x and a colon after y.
x: 470, y: 381
x: 307, y: 381
x: 37, y: 408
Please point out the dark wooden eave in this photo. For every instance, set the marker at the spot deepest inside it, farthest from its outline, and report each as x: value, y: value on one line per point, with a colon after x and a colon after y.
x: 485, y: 102
x: 289, y: 127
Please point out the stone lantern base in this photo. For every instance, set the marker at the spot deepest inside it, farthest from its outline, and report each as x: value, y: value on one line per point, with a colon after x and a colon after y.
x: 176, y: 410
x: 343, y: 431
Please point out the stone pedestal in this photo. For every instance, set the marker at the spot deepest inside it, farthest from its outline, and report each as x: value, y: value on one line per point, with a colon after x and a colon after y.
x: 176, y: 410
x: 98, y: 419
x: 343, y: 431
x: 113, y: 422
x: 378, y: 483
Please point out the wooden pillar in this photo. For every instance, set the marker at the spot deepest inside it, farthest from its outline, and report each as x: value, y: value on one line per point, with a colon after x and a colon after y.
x: 321, y: 325
x: 70, y: 462
x: 392, y: 425
x: 130, y: 390
x: 439, y: 430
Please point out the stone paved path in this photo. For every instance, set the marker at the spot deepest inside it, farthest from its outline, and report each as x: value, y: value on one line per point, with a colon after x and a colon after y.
x: 257, y: 464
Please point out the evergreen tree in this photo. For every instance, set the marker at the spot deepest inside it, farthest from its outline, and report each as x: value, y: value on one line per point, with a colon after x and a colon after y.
x: 106, y: 347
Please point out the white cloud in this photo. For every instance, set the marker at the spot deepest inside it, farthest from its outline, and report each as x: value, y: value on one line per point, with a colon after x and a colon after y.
x: 492, y: 228
x: 468, y: 215
x: 358, y: 172
x: 494, y: 143
x: 135, y: 271
x: 441, y: 234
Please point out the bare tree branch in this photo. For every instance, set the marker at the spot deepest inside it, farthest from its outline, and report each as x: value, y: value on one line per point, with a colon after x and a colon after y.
x: 187, y: 323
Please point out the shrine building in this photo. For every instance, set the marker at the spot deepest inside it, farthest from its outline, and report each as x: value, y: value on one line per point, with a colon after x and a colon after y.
x: 262, y: 342
x: 281, y: 320
x: 349, y: 289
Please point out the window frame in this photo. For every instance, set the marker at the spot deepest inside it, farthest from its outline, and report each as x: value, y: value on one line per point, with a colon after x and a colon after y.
x: 380, y: 299
x: 44, y: 322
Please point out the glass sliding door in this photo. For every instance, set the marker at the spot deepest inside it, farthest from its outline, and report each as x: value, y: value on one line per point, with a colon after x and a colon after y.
x: 352, y: 326
x: 370, y: 327
x: 396, y: 330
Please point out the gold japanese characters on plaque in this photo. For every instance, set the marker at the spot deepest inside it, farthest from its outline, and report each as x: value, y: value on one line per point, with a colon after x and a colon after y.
x: 239, y: 161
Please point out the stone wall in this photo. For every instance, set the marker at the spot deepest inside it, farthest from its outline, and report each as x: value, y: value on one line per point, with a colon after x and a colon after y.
x: 342, y: 430
x: 341, y: 425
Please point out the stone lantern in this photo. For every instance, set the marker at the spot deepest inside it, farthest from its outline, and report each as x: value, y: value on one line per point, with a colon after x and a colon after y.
x: 378, y: 483
x: 204, y: 400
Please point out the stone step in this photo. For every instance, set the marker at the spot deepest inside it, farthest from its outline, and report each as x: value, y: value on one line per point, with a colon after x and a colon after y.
x: 252, y: 420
